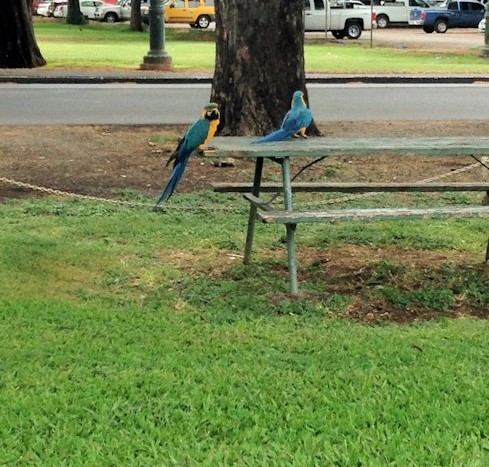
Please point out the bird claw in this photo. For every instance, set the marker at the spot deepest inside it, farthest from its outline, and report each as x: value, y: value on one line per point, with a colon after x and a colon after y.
x: 206, y: 151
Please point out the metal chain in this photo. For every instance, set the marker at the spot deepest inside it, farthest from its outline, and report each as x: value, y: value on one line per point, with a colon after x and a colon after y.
x: 53, y: 191
x: 345, y: 199
x: 342, y: 199
x: 132, y: 204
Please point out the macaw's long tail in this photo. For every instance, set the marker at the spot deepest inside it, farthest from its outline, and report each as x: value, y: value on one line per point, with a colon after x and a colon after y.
x: 175, y: 177
x: 277, y: 135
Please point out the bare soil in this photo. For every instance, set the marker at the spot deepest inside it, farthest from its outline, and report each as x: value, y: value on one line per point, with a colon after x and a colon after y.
x: 101, y: 160
x: 97, y: 160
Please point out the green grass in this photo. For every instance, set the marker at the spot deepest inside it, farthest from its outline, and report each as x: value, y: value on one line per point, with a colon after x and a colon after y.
x: 104, y: 46
x: 99, y: 45
x: 133, y: 338
x: 360, y: 59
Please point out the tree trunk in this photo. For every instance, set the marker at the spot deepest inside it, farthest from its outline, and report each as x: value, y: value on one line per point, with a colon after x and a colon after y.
x: 259, y: 63
x: 74, y: 15
x: 18, y: 46
x: 136, y: 20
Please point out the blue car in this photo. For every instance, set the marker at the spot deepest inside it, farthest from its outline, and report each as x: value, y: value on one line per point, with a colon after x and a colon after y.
x: 456, y: 14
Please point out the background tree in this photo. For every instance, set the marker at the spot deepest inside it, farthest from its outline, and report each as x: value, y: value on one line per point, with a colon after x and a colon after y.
x: 136, y: 20
x: 259, y: 63
x: 74, y: 15
x: 18, y: 46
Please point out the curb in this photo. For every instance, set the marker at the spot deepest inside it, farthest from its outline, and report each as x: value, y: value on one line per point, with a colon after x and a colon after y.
x: 330, y: 79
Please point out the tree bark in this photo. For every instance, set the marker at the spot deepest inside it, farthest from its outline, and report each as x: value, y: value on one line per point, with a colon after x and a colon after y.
x: 136, y: 20
x: 259, y: 63
x: 18, y: 46
x: 74, y: 15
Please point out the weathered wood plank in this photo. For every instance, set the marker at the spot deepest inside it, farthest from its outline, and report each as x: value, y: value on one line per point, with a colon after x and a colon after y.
x: 258, y: 202
x: 326, y: 146
x: 346, y: 187
x: 284, y: 217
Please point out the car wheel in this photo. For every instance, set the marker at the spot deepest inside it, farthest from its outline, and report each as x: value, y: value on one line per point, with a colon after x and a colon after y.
x: 111, y: 18
x: 427, y: 29
x: 203, y: 21
x: 441, y: 26
x: 353, y: 30
x: 338, y: 34
x: 382, y: 21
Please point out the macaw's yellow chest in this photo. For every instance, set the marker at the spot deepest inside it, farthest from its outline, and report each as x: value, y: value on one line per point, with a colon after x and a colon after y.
x: 212, y: 130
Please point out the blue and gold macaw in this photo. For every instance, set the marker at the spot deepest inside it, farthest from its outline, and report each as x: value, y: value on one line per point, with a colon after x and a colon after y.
x: 297, y: 119
x: 197, y: 136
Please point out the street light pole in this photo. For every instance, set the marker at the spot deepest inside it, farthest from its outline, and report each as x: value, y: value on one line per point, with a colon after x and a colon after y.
x: 371, y: 23
x: 485, y: 50
x: 326, y: 19
x: 157, y: 58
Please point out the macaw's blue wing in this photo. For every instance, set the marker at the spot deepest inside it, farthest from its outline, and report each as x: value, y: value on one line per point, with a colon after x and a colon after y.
x: 305, y: 118
x: 284, y: 132
x: 193, y: 138
x: 294, y: 120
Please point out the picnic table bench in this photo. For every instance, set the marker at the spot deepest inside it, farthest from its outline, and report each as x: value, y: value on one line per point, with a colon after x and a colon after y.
x: 283, y: 152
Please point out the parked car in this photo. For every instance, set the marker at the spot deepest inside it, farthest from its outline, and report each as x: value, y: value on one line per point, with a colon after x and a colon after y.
x: 94, y: 9
x: 126, y: 8
x: 44, y: 8
x: 457, y: 14
x: 345, y: 19
x: 406, y: 12
x: 35, y: 5
x: 56, y: 7
x: 197, y: 13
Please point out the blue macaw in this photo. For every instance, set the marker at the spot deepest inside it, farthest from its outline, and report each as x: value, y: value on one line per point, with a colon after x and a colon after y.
x: 197, y: 136
x: 297, y: 119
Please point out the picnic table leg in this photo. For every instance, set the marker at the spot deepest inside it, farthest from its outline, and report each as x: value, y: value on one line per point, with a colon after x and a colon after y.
x: 253, y: 209
x: 291, y: 246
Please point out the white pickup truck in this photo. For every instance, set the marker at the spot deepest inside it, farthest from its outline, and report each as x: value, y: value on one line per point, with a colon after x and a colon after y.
x: 407, y: 12
x: 345, y: 18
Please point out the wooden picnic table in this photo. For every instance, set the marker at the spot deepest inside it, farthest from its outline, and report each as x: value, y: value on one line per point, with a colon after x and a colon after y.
x: 283, y: 152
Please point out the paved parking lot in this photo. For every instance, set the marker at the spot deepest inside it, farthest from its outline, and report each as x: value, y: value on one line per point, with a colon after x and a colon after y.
x: 453, y: 39
x: 404, y: 37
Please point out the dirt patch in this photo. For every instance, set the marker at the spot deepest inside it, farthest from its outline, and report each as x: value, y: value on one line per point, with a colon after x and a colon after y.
x: 392, y: 284
x: 100, y: 160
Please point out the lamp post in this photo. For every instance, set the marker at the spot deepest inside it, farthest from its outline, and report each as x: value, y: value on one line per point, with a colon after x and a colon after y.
x: 326, y: 19
x: 157, y: 58
x: 485, y: 50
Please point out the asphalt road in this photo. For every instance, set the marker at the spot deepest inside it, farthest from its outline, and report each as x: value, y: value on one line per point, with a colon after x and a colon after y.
x: 166, y: 104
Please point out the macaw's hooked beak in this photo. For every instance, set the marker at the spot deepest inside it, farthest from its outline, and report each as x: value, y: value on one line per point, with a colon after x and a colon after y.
x: 211, y: 111
x: 212, y: 114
